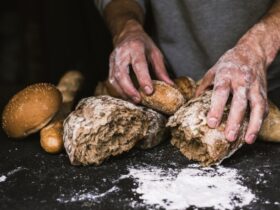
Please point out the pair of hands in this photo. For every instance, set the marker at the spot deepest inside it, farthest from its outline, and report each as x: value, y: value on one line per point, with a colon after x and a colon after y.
x: 240, y: 71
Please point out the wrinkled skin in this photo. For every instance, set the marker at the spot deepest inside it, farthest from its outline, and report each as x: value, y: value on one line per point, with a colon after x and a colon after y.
x: 134, y: 47
x: 242, y: 72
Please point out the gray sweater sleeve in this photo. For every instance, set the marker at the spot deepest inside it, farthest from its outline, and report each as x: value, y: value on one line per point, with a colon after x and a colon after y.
x: 101, y: 4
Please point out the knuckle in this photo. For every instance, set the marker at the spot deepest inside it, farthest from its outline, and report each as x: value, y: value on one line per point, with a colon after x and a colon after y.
x: 136, y: 44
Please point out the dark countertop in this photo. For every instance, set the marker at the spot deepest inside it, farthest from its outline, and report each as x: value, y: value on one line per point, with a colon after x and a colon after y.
x: 36, y: 179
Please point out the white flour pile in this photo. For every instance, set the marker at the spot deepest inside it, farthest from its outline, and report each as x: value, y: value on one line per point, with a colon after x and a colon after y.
x: 219, y: 188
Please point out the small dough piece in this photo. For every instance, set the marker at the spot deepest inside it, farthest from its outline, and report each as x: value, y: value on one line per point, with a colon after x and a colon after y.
x: 156, y: 131
x: 270, y: 130
x: 101, y: 127
x: 191, y: 134
x: 186, y: 86
x: 165, y: 98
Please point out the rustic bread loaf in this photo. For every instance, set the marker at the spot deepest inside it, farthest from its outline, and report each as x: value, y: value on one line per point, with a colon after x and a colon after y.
x: 104, y: 126
x: 165, y: 98
x: 191, y: 134
x: 186, y: 86
x: 31, y: 109
x: 156, y: 131
x: 270, y: 130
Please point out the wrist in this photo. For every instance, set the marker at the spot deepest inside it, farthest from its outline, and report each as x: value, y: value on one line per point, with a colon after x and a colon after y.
x: 129, y: 27
x: 263, y: 39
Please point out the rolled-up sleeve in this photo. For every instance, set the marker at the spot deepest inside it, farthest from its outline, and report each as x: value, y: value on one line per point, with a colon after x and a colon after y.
x: 101, y: 4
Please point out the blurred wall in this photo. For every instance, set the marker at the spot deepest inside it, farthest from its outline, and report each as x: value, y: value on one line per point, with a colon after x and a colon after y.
x: 41, y: 39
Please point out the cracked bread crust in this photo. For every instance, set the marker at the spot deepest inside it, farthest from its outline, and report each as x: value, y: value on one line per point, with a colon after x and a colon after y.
x: 156, y: 131
x: 192, y: 136
x: 166, y: 99
x: 104, y: 126
x: 101, y: 127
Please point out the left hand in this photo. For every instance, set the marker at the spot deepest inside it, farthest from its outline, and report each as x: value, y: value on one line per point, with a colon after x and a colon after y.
x: 242, y: 72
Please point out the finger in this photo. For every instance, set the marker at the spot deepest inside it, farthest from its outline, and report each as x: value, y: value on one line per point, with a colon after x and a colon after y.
x: 258, y: 109
x: 114, y: 89
x: 140, y: 67
x: 205, y: 82
x: 236, y: 114
x: 156, y: 59
x: 125, y: 83
x: 111, y: 79
x: 218, y: 101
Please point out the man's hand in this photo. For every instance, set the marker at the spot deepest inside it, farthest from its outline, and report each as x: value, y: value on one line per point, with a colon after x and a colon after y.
x: 133, y: 47
x: 240, y: 71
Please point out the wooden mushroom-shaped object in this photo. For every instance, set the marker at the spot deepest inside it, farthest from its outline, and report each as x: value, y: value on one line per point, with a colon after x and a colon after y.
x: 31, y: 109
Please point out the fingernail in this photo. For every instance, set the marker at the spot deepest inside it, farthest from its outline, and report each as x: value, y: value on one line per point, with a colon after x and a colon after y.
x: 231, y: 135
x: 136, y: 99
x: 251, y: 139
x: 148, y: 90
x: 212, y: 122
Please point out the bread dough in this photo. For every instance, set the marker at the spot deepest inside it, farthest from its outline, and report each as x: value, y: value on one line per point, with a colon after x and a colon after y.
x: 104, y: 126
x: 191, y: 134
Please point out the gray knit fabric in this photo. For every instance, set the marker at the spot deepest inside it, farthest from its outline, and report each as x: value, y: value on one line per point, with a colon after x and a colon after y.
x: 193, y: 34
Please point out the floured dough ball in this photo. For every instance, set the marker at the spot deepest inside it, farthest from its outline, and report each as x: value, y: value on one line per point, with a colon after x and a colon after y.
x: 103, y: 126
x: 156, y: 131
x: 191, y: 134
x: 186, y: 86
x: 31, y: 109
x: 165, y: 98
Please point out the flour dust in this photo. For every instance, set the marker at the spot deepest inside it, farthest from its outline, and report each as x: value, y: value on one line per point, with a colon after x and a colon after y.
x: 218, y: 188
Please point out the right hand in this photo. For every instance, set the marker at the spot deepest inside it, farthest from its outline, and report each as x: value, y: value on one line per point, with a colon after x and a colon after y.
x: 134, y: 47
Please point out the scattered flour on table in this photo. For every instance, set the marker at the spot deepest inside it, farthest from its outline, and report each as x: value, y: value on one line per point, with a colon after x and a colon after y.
x: 219, y: 188
x: 3, y: 178
x: 88, y: 196
x: 20, y: 168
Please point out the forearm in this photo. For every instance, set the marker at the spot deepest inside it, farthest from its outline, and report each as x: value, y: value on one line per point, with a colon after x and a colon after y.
x: 119, y: 13
x: 264, y: 37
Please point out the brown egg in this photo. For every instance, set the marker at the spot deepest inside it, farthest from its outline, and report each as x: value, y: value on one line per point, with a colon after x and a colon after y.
x: 31, y: 109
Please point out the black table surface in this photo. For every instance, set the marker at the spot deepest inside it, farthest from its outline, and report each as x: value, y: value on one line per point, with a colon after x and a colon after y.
x: 35, y: 179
